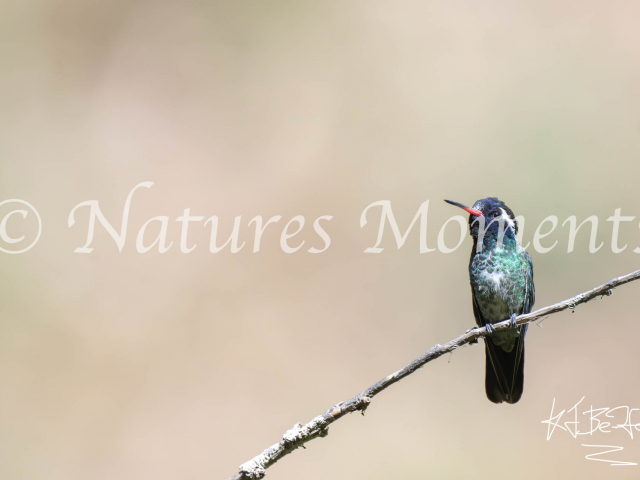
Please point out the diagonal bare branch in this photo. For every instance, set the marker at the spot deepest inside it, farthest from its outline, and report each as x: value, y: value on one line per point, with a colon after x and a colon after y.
x: 300, y: 434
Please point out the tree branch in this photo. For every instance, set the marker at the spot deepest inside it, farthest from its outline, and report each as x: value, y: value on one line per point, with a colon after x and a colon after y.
x: 318, y: 427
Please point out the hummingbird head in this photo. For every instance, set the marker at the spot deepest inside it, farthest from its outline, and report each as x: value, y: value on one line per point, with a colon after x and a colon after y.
x: 495, y: 213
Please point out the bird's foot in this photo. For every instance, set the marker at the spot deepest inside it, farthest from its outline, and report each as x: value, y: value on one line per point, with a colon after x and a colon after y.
x: 490, y: 329
x: 513, y: 320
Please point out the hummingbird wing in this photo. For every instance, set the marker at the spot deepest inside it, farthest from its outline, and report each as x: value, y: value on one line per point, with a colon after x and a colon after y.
x: 496, y: 384
x: 530, y: 289
x: 517, y: 381
x: 527, y: 305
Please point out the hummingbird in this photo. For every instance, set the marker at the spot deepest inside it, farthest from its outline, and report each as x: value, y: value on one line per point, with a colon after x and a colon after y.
x: 501, y: 278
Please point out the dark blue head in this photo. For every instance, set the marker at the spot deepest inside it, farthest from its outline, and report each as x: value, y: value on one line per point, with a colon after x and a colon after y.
x: 494, y: 212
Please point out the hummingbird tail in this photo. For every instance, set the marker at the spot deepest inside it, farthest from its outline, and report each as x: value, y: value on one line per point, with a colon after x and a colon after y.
x: 504, y: 380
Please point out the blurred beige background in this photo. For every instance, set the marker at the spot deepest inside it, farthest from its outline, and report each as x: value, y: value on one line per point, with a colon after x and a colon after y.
x: 182, y: 366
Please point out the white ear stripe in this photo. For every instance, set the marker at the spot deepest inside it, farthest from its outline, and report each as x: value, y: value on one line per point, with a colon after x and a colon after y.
x: 509, y: 221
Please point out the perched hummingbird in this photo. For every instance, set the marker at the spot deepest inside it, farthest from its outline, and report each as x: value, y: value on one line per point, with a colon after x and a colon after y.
x: 501, y: 277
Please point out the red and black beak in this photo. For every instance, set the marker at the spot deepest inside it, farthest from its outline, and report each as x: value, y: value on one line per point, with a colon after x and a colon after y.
x: 472, y: 211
